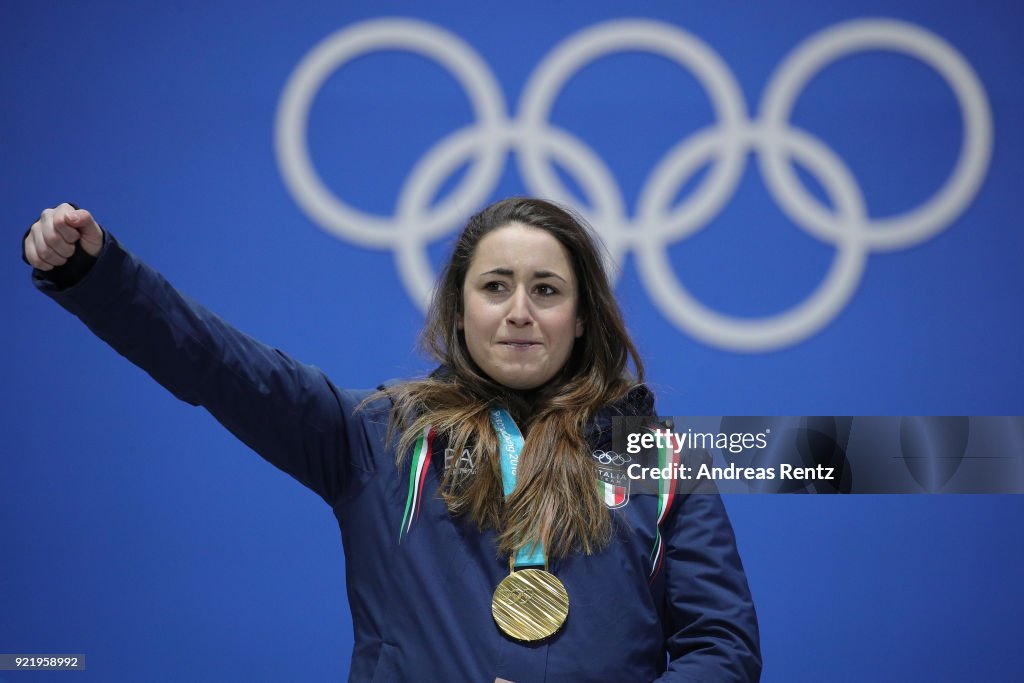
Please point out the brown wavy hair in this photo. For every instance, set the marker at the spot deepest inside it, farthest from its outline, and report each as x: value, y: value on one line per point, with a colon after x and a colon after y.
x: 556, y: 499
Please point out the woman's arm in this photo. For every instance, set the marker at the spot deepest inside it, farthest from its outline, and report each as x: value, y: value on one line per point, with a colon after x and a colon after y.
x: 288, y: 412
x: 710, y: 622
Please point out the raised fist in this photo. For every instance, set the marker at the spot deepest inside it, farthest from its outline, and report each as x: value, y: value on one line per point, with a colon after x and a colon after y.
x: 51, y: 240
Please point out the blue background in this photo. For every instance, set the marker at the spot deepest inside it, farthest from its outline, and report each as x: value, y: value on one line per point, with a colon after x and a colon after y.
x: 135, y: 530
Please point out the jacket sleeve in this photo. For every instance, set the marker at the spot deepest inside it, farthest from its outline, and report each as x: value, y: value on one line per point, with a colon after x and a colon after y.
x: 287, y: 412
x: 710, y: 622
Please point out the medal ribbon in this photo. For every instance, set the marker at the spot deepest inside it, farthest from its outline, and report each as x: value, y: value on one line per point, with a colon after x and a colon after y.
x: 510, y: 447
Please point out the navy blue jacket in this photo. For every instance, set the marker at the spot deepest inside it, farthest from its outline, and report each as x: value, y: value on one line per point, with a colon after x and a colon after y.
x: 664, y: 601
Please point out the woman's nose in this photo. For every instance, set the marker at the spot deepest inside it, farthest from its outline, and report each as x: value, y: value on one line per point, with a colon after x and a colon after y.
x: 519, y: 308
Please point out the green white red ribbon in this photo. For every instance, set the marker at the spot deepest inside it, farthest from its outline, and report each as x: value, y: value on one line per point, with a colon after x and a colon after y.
x: 667, y: 457
x: 417, y: 475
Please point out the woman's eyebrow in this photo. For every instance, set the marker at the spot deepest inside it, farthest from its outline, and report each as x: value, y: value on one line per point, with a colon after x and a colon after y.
x: 507, y: 272
x: 537, y: 274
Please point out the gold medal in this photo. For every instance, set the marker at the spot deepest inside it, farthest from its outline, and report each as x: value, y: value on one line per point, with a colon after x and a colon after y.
x: 530, y: 604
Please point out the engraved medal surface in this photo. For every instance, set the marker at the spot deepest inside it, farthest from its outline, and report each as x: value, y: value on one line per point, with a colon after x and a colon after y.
x: 530, y: 604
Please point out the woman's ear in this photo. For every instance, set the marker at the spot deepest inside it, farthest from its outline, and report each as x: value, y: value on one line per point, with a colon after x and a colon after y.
x: 458, y: 322
x: 579, y: 327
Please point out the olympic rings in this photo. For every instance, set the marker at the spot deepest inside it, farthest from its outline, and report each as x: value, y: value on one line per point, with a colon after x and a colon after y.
x: 537, y: 144
x: 611, y: 458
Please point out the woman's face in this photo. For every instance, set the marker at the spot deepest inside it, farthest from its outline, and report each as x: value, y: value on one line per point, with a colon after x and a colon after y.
x: 519, y: 302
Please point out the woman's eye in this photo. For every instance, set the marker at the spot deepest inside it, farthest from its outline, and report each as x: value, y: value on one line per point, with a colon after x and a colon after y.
x: 546, y: 290
x: 494, y: 286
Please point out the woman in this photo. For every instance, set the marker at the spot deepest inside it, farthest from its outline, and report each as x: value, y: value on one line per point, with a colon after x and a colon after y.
x: 478, y: 546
